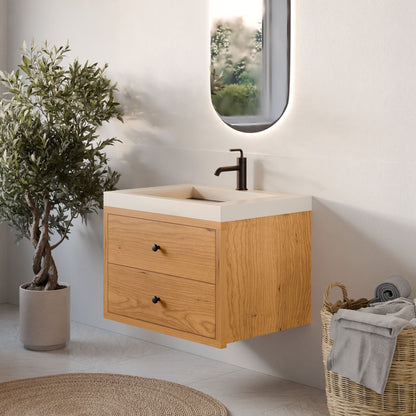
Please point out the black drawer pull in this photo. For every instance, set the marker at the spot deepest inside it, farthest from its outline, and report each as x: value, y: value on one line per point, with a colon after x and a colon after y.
x: 155, y: 299
x: 155, y: 247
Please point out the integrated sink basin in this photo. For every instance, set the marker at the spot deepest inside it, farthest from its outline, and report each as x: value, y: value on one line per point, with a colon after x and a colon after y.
x: 204, y: 202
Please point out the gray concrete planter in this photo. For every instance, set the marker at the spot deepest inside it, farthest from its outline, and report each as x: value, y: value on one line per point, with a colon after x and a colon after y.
x: 44, y: 318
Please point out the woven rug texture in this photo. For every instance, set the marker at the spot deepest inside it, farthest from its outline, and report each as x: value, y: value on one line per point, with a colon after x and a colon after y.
x: 96, y: 394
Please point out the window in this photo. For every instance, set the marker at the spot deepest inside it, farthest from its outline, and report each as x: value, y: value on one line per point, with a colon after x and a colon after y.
x: 250, y: 61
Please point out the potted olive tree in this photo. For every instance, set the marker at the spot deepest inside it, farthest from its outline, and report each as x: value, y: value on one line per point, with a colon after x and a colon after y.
x: 53, y: 169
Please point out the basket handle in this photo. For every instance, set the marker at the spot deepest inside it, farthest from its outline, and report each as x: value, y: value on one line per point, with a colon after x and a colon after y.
x: 346, y: 302
x: 332, y: 307
x: 341, y: 286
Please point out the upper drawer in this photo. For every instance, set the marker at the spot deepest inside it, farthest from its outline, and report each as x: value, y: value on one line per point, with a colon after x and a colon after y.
x: 184, y: 250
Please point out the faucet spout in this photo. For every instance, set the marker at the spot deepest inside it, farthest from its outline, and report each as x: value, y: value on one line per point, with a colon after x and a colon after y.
x: 226, y: 169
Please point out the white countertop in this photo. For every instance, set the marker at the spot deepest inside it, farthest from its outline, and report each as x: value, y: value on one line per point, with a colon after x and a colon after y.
x: 210, y: 203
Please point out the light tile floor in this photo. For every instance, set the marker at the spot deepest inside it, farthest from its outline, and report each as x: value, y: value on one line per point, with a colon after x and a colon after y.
x: 244, y: 392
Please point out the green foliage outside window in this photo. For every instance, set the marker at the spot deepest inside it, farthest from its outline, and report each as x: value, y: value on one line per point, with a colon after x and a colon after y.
x: 236, y: 68
x: 237, y: 99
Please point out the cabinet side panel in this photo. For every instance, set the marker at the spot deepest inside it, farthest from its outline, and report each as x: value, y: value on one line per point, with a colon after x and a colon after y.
x: 105, y: 256
x: 265, y: 273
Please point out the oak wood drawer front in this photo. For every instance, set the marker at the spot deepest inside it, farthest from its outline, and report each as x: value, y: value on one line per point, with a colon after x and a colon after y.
x: 184, y: 251
x: 184, y: 304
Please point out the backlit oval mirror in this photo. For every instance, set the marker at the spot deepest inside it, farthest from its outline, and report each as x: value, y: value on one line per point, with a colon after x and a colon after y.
x: 250, y: 61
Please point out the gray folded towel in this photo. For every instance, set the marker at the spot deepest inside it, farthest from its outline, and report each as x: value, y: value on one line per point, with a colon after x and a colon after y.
x: 365, y: 340
x: 400, y: 308
x: 392, y: 288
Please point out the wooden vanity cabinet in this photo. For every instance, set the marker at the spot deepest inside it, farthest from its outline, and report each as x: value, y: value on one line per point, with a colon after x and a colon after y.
x: 204, y: 281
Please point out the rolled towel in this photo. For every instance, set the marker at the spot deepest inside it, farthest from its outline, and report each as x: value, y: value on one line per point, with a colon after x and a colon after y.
x: 392, y: 288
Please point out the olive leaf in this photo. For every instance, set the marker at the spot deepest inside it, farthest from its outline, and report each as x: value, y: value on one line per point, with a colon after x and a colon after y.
x: 53, y: 167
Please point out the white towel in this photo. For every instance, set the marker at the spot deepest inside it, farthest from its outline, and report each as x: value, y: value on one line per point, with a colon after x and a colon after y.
x: 365, y: 340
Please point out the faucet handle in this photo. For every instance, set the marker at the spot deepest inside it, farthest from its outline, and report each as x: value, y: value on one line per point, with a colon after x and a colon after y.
x: 237, y: 150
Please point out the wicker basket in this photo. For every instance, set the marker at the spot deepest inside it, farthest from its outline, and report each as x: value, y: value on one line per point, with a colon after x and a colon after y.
x: 346, y: 398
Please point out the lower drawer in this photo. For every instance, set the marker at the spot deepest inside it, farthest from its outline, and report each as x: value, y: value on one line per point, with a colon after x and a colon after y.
x: 184, y: 304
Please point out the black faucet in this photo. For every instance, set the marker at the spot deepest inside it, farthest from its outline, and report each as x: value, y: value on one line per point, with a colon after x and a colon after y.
x: 241, y: 169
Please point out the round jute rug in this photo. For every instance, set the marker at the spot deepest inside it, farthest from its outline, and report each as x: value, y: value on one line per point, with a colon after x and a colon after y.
x: 86, y: 394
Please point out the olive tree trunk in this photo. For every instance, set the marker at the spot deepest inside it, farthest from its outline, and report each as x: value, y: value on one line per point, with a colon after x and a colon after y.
x: 44, y: 268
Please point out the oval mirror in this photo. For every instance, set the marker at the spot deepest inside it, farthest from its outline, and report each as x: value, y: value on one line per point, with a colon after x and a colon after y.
x: 250, y: 61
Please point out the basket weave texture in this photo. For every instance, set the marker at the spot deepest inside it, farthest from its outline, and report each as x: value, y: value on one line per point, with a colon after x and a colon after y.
x: 347, y: 398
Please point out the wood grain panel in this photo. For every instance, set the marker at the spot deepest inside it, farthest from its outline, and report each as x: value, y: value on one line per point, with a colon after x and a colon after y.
x: 184, y: 304
x: 221, y: 282
x: 173, y: 219
x: 165, y: 330
x: 185, y: 251
x: 264, y: 283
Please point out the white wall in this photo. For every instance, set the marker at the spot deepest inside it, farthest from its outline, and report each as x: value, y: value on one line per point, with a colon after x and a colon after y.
x: 3, y: 34
x: 4, y: 242
x: 347, y: 138
x: 4, y: 250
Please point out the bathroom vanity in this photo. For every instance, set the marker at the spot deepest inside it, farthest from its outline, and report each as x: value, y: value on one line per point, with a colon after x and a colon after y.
x: 207, y: 264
